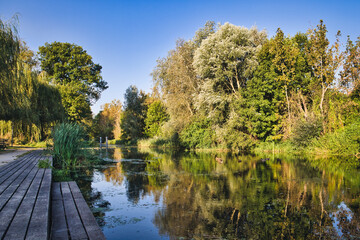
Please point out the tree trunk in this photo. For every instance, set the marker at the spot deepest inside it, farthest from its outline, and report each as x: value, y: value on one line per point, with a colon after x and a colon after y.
x: 323, y: 91
x: 288, y: 107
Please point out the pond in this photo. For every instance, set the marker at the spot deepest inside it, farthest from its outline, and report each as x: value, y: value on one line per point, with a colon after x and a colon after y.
x: 159, y: 195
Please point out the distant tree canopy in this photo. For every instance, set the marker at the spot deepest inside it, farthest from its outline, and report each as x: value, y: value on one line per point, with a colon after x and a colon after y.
x: 106, y: 122
x: 232, y: 87
x: 133, y: 117
x: 71, y: 69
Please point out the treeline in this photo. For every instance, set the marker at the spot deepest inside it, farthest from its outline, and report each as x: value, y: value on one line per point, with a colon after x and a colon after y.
x: 232, y: 87
x: 57, y: 84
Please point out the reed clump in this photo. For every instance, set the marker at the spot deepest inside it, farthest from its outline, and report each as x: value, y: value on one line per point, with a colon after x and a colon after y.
x: 69, y: 144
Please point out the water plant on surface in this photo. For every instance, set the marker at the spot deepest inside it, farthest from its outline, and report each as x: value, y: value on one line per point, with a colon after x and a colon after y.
x: 68, y: 144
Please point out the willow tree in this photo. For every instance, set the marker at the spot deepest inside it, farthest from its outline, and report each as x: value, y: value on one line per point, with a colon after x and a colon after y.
x: 9, y: 52
x: 224, y: 63
x: 227, y: 58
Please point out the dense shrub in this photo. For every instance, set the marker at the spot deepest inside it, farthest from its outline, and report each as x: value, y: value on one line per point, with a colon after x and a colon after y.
x: 305, y: 131
x: 197, y: 135
x: 239, y: 141
x: 156, y: 115
x: 345, y: 141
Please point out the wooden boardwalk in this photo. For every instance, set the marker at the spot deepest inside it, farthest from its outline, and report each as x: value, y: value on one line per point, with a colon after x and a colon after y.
x: 71, y: 216
x: 26, y: 197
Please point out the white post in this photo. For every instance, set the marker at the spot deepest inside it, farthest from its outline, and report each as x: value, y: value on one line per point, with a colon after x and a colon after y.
x: 100, y: 143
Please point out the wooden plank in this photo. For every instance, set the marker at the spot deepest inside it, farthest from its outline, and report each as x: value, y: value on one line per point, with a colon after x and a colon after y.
x: 20, y: 223
x: 8, y: 211
x: 14, y: 185
x: 59, y: 229
x: 13, y: 172
x: 76, y: 228
x: 92, y: 228
x: 15, y: 168
x: 39, y: 222
x: 5, y: 168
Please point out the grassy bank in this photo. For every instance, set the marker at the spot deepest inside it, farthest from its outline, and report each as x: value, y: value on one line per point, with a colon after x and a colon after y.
x: 157, y: 142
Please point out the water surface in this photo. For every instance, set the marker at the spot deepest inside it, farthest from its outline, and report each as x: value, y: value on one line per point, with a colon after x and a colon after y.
x: 158, y: 195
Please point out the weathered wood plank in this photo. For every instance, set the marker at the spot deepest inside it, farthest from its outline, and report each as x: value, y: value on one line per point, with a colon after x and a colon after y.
x: 75, y: 225
x: 8, y: 211
x: 12, y: 173
x: 20, y: 223
x: 13, y: 186
x: 39, y: 222
x: 59, y: 229
x: 7, y: 167
x: 92, y: 228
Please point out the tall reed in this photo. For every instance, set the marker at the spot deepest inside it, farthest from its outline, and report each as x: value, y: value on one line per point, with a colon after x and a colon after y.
x: 69, y: 144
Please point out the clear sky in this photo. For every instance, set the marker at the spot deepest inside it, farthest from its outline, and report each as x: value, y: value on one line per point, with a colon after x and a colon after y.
x: 127, y: 37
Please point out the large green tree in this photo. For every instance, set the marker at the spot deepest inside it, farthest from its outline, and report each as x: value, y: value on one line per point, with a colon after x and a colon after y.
x: 225, y: 62
x: 79, y: 79
x: 324, y: 59
x: 175, y: 78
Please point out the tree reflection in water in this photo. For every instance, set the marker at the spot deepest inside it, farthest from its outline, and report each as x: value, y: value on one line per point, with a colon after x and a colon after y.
x: 279, y: 198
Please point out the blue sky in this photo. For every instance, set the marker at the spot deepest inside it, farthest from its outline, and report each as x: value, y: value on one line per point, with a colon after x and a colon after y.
x: 127, y: 37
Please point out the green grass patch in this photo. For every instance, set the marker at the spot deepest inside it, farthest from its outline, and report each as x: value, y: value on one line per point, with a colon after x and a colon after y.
x: 45, y: 163
x: 272, y: 147
x: 156, y: 142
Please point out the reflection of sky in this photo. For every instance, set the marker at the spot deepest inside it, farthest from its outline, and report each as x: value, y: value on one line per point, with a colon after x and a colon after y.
x: 127, y: 220
x: 342, y: 208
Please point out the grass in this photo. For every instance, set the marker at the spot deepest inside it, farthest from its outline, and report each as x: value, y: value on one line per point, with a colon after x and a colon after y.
x: 45, y: 163
x: 272, y: 147
x: 156, y: 142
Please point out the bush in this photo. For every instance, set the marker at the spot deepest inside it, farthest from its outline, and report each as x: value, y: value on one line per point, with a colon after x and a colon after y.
x: 239, y: 141
x: 345, y: 141
x: 197, y: 135
x: 305, y: 131
x: 68, y: 144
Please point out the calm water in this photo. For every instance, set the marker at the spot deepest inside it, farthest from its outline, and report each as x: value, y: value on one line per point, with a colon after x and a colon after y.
x: 151, y: 195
